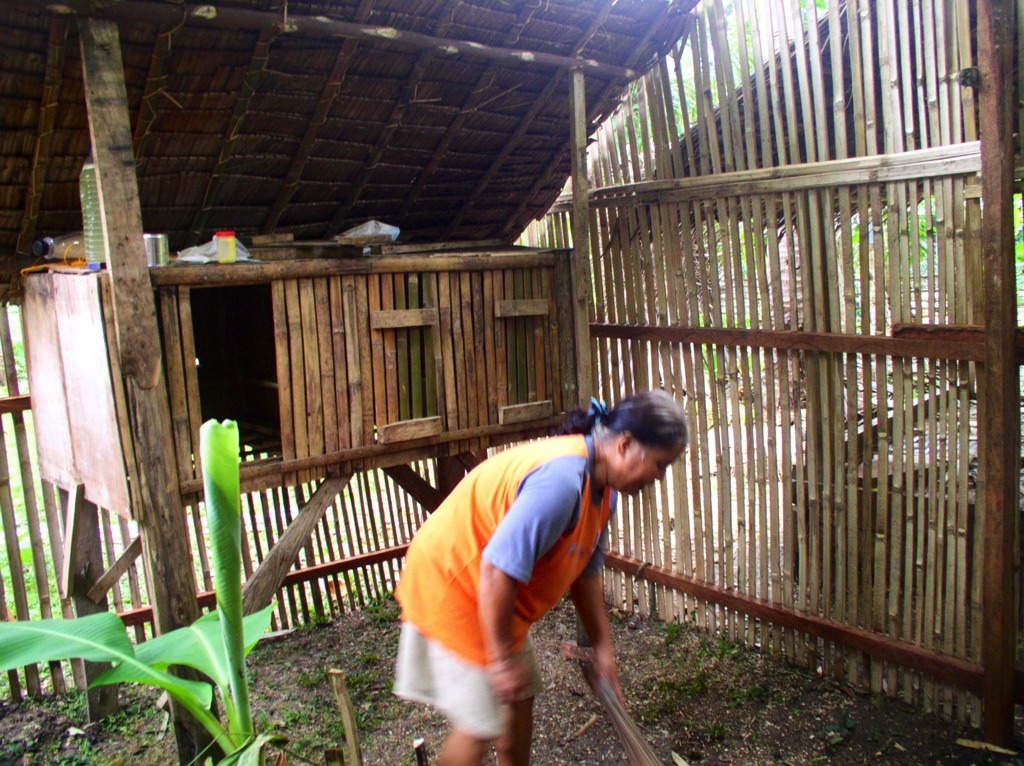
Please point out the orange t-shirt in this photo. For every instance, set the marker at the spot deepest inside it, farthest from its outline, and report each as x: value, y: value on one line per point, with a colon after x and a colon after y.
x: 441, y: 577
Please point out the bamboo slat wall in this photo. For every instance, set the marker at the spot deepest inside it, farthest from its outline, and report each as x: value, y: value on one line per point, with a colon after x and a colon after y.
x: 772, y: 195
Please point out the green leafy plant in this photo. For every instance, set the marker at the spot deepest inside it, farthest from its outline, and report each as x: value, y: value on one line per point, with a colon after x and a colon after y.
x: 215, y: 644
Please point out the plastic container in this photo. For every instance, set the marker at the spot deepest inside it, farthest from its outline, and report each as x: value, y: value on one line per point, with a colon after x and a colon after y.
x: 91, y: 224
x: 67, y: 248
x: 226, y: 246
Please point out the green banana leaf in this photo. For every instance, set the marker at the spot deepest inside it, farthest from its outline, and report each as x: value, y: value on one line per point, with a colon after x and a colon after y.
x: 97, y: 638
x: 218, y: 445
x: 199, y: 646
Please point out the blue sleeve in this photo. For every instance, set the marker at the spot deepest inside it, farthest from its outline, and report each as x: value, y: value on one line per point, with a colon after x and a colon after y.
x: 547, y: 504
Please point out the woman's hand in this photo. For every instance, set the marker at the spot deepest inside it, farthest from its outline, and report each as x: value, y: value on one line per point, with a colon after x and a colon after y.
x: 509, y: 678
x: 607, y: 668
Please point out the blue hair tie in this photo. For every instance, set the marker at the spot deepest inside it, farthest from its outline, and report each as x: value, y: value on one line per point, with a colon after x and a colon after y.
x: 598, y: 409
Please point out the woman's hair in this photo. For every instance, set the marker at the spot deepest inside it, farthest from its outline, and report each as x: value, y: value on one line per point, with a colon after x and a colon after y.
x: 652, y: 417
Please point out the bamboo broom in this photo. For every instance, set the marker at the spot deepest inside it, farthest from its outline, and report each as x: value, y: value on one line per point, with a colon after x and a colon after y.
x: 638, y: 751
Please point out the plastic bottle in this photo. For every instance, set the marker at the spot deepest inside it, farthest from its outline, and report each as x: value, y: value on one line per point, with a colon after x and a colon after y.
x: 67, y: 248
x: 225, y: 246
x: 91, y: 223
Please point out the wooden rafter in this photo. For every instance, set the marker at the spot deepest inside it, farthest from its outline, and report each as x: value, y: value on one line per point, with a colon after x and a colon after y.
x: 328, y: 94
x: 412, y: 82
x: 505, y: 153
x: 220, y: 17
x: 524, y: 125
x: 478, y: 95
x: 257, y: 66
x: 55, y: 52
x: 156, y: 78
x: 514, y: 222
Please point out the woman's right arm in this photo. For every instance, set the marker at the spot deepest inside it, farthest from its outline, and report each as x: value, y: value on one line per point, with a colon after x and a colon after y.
x: 497, y: 601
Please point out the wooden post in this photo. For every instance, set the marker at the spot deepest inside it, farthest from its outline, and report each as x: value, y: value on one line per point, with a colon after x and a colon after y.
x: 450, y: 471
x: 568, y: 362
x: 82, y: 567
x: 582, y: 290
x: 159, y: 512
x: 999, y: 436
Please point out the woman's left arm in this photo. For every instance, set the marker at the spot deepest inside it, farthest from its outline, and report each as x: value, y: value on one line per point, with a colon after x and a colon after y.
x: 587, y: 595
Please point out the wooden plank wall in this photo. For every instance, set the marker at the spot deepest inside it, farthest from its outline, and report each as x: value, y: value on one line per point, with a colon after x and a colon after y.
x: 762, y: 225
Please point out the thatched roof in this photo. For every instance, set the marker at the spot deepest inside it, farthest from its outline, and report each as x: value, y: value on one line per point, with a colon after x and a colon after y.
x: 241, y: 124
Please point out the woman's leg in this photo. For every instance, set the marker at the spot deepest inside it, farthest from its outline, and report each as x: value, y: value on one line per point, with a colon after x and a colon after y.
x: 514, y: 745
x: 462, y: 749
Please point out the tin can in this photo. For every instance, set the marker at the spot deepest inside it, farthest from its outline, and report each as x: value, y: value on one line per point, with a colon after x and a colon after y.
x: 157, y: 253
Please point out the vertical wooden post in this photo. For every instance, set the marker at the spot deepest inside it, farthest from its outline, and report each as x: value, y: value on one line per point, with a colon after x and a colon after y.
x: 450, y: 471
x: 567, y: 360
x: 83, y: 566
x: 582, y: 289
x: 160, y: 515
x: 999, y: 400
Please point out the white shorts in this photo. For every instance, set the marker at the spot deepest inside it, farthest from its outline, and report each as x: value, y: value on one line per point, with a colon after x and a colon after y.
x: 434, y: 675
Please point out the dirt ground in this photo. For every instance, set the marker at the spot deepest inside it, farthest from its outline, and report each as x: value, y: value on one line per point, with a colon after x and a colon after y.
x: 698, y: 700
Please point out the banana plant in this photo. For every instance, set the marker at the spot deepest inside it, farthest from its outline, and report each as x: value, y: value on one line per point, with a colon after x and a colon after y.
x: 215, y: 644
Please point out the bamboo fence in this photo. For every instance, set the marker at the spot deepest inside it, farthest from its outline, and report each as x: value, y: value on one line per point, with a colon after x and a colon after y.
x: 748, y: 229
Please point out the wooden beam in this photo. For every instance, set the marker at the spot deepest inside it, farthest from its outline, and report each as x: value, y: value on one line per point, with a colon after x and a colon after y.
x: 999, y: 399
x: 933, y: 162
x: 396, y: 318
x: 582, y: 284
x: 522, y: 307
x: 83, y: 562
x: 321, y: 27
x: 793, y: 340
x: 266, y: 581
x: 104, y: 583
x: 251, y: 81
x: 523, y: 413
x: 567, y: 361
x: 255, y: 475
x: 418, y: 488
x: 161, y: 519
x: 959, y: 672
x: 211, y: 275
x: 408, y: 430
x: 19, y: 403
x: 56, y: 50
